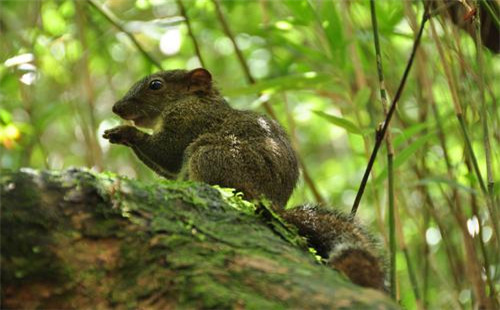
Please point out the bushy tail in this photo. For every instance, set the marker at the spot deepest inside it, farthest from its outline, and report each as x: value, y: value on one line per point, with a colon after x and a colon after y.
x: 343, y: 243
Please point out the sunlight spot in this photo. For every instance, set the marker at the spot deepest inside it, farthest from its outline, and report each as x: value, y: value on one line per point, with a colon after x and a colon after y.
x: 262, y: 98
x: 142, y: 4
x: 258, y: 67
x: 244, y: 41
x: 28, y: 78
x: 11, y: 132
x: 19, y: 59
x: 27, y: 67
x: 432, y: 236
x: 104, y: 125
x: 261, y: 54
x: 127, y: 171
x: 302, y: 113
x: 224, y: 46
x: 56, y: 161
x: 464, y: 296
x: 193, y: 63
x: 170, y: 42
x: 487, y: 233
x: 310, y: 75
x: 473, y: 226
x: 57, y: 50
x: 8, y: 135
x: 348, y: 197
x: 118, y: 53
x: 283, y: 25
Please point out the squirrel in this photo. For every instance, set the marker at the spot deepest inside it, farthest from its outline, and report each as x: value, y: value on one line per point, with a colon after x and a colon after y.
x: 197, y: 136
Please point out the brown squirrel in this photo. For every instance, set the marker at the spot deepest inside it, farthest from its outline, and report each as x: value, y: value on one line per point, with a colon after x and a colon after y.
x: 198, y: 136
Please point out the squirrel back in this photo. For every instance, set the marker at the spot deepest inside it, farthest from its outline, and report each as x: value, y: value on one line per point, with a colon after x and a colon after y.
x: 198, y: 136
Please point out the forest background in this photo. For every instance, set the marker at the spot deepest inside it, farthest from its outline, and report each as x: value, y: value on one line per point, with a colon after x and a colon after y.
x: 312, y: 65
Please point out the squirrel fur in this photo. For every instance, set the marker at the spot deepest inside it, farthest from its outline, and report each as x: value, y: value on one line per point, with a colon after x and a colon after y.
x: 198, y: 136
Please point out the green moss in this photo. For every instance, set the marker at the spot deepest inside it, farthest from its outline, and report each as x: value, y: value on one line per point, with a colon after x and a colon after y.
x: 25, y: 239
x: 186, y: 243
x: 235, y: 200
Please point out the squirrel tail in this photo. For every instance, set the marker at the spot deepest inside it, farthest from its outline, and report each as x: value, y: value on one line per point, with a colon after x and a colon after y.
x: 344, y: 244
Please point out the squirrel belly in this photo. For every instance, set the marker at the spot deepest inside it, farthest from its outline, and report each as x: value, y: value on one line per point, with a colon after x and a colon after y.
x: 198, y: 136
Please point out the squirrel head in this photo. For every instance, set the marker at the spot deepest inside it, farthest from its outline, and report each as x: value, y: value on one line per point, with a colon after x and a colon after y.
x: 145, y: 101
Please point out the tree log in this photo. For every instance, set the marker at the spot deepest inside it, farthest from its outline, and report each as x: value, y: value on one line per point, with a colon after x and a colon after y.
x: 81, y: 240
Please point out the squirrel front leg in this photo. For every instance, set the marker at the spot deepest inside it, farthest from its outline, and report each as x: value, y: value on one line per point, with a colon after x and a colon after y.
x: 143, y: 145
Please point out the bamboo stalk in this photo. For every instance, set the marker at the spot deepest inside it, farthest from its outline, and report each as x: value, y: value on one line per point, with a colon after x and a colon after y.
x: 360, y: 83
x: 390, y: 154
x: 492, y: 13
x: 94, y: 148
x: 487, y: 152
x: 409, y: 264
x: 468, y: 144
x: 453, y: 259
x: 482, y: 246
x: 381, y: 133
x: 474, y: 267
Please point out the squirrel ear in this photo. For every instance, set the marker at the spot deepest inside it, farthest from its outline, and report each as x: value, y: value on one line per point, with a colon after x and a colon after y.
x: 200, y: 77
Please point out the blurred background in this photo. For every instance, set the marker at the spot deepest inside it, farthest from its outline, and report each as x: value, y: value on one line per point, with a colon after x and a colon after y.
x: 312, y: 65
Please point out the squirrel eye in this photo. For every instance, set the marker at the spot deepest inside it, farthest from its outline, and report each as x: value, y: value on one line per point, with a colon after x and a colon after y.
x: 155, y: 84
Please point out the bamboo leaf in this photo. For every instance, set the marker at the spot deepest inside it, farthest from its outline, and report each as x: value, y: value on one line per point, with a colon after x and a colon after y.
x: 404, y: 135
x: 404, y: 155
x: 289, y: 82
x: 361, y: 98
x: 332, y: 25
x: 341, y: 122
x: 450, y: 183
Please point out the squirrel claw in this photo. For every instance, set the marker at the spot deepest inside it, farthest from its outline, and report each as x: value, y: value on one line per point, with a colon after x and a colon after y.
x: 119, y: 135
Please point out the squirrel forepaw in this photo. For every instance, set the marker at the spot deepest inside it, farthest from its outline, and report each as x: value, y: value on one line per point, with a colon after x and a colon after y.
x: 124, y: 134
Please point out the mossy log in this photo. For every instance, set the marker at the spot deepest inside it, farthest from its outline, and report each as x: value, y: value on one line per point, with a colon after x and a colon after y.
x: 81, y: 240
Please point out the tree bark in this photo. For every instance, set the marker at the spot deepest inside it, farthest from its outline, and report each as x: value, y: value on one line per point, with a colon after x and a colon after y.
x: 81, y: 240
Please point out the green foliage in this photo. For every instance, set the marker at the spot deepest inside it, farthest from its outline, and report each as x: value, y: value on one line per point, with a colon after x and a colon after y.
x: 63, y: 64
x: 341, y: 122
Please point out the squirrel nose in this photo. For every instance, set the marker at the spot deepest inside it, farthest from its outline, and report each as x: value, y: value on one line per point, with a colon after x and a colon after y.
x: 117, y: 108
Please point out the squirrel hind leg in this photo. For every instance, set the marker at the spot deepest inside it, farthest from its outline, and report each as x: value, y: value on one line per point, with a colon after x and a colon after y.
x: 229, y: 162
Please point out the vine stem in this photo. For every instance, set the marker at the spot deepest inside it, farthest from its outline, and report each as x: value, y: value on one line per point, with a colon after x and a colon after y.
x: 116, y: 22
x: 380, y: 134
x: 197, y: 50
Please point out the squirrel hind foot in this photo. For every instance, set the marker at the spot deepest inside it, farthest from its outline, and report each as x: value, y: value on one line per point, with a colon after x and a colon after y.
x: 360, y: 267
